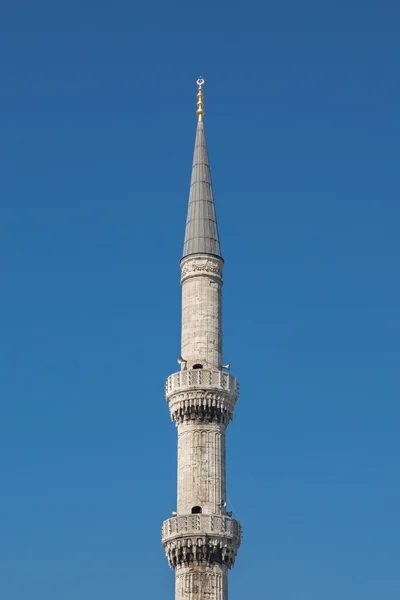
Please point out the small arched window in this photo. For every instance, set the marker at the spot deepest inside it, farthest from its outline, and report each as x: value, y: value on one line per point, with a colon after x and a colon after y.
x: 196, y: 510
x: 197, y: 366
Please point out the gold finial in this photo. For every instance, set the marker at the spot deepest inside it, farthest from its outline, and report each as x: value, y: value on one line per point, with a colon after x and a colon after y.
x: 200, y: 104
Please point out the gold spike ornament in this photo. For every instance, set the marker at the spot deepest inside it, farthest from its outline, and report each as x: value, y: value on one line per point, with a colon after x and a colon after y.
x: 200, y: 104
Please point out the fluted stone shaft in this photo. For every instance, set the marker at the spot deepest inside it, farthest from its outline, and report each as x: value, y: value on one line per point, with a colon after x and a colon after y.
x: 202, y: 311
x: 201, y: 468
x: 204, y: 582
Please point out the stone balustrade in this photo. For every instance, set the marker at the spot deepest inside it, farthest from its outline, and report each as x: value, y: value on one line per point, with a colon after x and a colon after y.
x: 204, y: 524
x: 204, y: 378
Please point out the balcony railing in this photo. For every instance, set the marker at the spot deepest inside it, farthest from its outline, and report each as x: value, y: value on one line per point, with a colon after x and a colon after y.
x: 219, y: 525
x: 204, y: 378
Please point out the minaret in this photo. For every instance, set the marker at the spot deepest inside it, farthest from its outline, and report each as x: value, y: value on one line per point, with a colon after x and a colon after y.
x: 201, y: 539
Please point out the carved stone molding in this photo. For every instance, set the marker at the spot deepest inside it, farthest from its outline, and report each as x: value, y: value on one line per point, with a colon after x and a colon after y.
x: 207, y: 550
x: 193, y: 266
x: 202, y: 406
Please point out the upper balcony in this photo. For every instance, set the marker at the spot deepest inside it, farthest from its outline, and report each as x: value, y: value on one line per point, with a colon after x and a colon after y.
x: 205, y: 379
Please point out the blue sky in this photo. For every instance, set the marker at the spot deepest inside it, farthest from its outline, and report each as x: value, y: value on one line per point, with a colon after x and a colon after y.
x: 97, y: 121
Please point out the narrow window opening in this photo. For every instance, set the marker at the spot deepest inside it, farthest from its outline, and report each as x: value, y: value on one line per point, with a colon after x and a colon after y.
x: 197, y: 366
x: 196, y: 510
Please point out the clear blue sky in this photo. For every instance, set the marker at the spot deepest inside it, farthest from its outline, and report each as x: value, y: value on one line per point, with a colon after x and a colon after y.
x: 97, y: 122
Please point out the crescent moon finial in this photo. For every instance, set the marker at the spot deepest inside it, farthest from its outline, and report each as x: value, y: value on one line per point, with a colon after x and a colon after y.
x: 200, y: 104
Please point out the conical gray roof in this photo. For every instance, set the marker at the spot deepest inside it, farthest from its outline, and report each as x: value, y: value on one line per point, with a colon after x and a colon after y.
x: 201, y: 234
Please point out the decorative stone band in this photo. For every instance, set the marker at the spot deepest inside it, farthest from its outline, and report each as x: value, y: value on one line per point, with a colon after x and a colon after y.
x: 201, y: 395
x: 206, y: 539
x: 195, y: 265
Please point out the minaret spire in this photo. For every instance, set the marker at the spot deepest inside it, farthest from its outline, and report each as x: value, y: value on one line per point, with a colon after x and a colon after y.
x: 201, y: 235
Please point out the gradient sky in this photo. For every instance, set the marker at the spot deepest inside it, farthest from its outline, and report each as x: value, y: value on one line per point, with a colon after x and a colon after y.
x: 97, y: 122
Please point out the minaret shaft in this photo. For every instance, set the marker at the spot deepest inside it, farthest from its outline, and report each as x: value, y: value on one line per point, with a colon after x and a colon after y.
x: 201, y: 468
x: 202, y: 311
